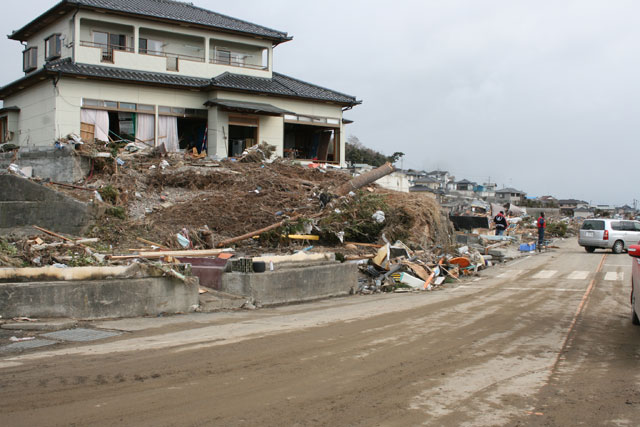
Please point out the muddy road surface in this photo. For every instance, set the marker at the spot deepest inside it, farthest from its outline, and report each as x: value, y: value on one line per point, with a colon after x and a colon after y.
x: 545, y: 340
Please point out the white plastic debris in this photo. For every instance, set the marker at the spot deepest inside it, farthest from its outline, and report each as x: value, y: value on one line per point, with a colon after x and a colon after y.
x: 16, y: 339
x: 378, y: 217
x: 97, y: 196
x: 15, y: 169
x: 164, y: 164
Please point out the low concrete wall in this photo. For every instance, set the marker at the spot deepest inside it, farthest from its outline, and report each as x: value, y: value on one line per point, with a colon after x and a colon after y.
x: 24, y: 203
x: 98, y: 299
x: 293, y: 284
x: 56, y: 165
x: 548, y: 212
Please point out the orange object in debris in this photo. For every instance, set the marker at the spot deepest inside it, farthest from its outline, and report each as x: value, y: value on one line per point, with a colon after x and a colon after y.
x: 461, y: 261
x: 225, y: 255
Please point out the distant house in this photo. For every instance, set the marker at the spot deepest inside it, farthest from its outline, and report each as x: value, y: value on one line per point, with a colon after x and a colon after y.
x: 485, y: 191
x: 510, y: 195
x: 582, y: 213
x: 572, y: 204
x: 396, y: 181
x: 426, y: 181
x: 443, y: 177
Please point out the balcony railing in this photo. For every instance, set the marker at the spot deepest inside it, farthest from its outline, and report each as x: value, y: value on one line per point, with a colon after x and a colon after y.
x: 232, y: 63
x: 107, y: 52
x: 173, y: 55
x: 107, y: 49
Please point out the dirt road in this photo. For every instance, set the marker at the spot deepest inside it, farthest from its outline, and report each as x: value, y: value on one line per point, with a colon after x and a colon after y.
x: 546, y: 340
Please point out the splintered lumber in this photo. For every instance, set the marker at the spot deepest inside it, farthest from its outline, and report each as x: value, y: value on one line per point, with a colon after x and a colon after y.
x: 162, y: 254
x: 364, y: 179
x: 255, y: 233
x: 369, y: 245
x: 51, y: 233
x: 149, y: 242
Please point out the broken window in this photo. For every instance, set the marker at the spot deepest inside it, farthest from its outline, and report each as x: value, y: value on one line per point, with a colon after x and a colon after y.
x: 52, y: 47
x: 4, y: 131
x: 312, y: 142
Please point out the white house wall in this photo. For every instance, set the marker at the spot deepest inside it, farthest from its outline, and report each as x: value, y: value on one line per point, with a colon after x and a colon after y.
x: 64, y: 27
x: 36, y: 121
x: 72, y: 91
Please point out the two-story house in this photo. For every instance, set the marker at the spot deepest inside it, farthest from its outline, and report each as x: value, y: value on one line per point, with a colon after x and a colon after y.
x: 510, y: 195
x: 164, y: 72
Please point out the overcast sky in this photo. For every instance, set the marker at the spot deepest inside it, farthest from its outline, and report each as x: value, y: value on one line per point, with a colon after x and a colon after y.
x: 542, y: 96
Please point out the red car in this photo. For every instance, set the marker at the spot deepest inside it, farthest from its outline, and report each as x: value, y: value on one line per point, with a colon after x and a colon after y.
x: 634, y: 252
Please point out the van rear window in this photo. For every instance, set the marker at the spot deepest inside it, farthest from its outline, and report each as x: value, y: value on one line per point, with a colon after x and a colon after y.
x: 592, y: 224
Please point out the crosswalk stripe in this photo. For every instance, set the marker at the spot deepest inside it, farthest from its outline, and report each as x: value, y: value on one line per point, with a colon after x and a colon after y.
x: 545, y: 274
x: 578, y: 275
x: 614, y: 275
x: 510, y: 273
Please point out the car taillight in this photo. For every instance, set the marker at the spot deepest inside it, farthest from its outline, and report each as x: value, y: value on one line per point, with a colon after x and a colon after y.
x: 605, y: 236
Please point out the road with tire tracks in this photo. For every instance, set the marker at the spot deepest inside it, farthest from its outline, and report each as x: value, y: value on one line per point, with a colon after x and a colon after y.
x: 544, y: 340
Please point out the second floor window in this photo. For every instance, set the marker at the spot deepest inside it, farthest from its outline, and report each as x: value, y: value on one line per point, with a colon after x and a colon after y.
x: 52, y: 47
x: 150, y: 47
x: 30, y: 59
x: 108, y: 43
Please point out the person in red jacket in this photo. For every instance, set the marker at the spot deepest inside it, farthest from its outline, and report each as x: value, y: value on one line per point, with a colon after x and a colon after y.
x: 542, y: 224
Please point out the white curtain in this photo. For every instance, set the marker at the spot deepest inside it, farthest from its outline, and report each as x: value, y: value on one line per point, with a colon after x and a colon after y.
x: 168, y: 133
x: 98, y: 118
x: 145, y: 128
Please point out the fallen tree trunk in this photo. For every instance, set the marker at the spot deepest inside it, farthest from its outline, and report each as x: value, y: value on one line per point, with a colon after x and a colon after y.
x: 162, y: 254
x: 364, y: 179
x: 255, y: 233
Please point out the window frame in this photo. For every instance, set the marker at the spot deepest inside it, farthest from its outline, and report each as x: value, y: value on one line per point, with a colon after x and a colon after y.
x: 57, y: 39
x: 30, y: 53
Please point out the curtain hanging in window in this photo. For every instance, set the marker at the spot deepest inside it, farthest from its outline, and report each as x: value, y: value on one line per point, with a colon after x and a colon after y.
x: 98, y: 118
x: 168, y: 133
x: 145, y: 128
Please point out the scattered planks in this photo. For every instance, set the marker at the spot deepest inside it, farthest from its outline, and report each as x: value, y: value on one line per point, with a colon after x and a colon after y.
x: 163, y: 254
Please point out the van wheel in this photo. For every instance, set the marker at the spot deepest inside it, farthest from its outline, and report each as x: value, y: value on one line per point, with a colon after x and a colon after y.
x: 618, y: 247
x: 589, y: 249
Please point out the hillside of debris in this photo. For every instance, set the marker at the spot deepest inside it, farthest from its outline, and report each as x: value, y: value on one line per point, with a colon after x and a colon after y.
x: 150, y: 199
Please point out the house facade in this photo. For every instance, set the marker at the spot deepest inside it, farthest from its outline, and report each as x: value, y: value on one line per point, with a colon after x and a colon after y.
x: 510, y: 195
x: 166, y: 73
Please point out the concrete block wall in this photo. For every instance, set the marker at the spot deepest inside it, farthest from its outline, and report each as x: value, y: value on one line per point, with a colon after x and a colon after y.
x: 98, y: 299
x: 293, y: 284
x: 55, y: 165
x: 24, y: 203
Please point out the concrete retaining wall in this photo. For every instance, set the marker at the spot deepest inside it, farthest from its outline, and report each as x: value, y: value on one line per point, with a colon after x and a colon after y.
x: 293, y: 284
x: 98, y: 299
x: 24, y: 203
x: 56, y: 165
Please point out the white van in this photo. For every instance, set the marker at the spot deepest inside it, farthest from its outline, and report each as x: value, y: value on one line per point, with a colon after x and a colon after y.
x: 605, y: 233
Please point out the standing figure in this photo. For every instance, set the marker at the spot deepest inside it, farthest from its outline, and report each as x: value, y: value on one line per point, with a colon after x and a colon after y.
x: 501, y: 223
x: 542, y: 224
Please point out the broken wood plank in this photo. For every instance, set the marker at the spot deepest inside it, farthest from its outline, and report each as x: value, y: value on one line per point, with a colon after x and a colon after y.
x: 149, y: 242
x: 303, y: 237
x: 51, y: 233
x: 162, y: 254
x: 256, y: 233
x: 369, y: 245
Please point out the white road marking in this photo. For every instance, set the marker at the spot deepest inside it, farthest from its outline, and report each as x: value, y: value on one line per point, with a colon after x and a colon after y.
x: 545, y: 274
x: 614, y: 275
x: 578, y: 275
x: 510, y: 273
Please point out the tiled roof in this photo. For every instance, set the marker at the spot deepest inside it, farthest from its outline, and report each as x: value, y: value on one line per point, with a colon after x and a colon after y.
x: 282, y: 85
x: 65, y: 66
x: 278, y: 85
x: 171, y: 10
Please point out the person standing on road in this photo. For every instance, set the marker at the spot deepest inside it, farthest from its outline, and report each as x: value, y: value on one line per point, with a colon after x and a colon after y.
x: 542, y: 224
x: 501, y: 223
